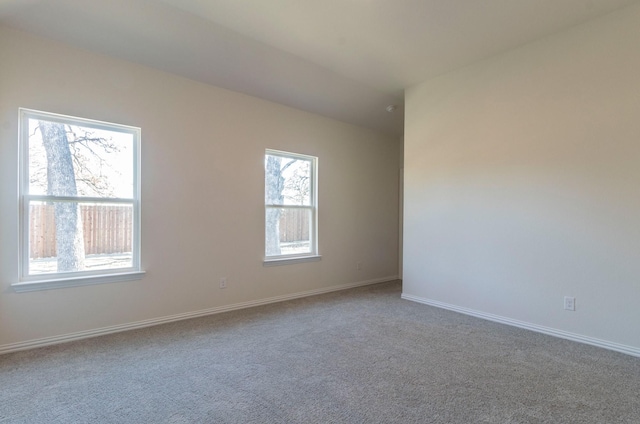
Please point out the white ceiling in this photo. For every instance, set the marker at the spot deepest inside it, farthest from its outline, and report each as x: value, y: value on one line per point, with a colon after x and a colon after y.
x: 345, y: 59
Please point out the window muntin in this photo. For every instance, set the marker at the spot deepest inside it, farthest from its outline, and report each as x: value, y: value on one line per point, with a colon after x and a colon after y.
x: 80, y: 198
x: 290, y: 205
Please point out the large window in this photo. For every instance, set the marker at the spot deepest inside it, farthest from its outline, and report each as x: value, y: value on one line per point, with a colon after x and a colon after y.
x: 290, y: 205
x: 80, y: 200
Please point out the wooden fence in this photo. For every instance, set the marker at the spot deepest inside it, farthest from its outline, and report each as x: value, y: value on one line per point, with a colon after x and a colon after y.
x: 294, y: 225
x: 106, y: 228
x: 109, y: 229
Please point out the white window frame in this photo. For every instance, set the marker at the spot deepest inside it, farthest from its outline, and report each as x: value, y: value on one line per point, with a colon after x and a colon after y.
x: 78, y: 278
x: 313, y: 255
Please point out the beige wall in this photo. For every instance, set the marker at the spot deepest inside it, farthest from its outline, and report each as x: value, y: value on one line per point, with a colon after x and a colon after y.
x: 522, y: 184
x: 202, y: 191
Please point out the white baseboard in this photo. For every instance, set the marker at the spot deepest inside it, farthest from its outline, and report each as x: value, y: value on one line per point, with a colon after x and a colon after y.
x: 46, y: 341
x: 629, y: 350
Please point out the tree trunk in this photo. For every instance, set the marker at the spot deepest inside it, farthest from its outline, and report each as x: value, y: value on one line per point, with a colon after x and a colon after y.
x: 273, y: 195
x: 61, y: 182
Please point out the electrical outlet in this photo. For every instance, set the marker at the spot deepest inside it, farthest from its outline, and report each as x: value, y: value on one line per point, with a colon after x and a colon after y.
x: 569, y: 303
x: 223, y: 283
x: 359, y: 266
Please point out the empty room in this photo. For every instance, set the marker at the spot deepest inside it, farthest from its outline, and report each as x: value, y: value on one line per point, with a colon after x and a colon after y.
x: 299, y: 211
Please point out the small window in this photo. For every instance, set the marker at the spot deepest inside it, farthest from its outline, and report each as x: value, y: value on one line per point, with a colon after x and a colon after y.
x: 80, y: 198
x: 290, y: 205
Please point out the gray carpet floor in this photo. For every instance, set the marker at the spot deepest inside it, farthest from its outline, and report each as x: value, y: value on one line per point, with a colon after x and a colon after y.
x: 355, y: 356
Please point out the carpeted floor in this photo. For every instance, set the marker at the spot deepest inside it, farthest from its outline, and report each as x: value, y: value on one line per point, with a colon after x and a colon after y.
x: 356, y: 356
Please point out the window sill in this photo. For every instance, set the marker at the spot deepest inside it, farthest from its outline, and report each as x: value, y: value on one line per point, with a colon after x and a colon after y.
x: 27, y: 286
x: 291, y: 260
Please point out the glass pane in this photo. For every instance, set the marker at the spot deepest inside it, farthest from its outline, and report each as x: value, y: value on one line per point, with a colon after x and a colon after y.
x: 288, y: 231
x: 287, y: 181
x: 74, y: 160
x: 71, y: 237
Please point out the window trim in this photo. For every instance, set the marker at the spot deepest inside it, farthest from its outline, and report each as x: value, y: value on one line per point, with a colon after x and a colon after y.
x: 313, y: 255
x: 46, y: 281
x: 275, y: 261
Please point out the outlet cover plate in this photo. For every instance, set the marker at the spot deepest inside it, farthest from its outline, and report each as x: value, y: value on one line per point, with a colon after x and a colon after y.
x: 570, y: 303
